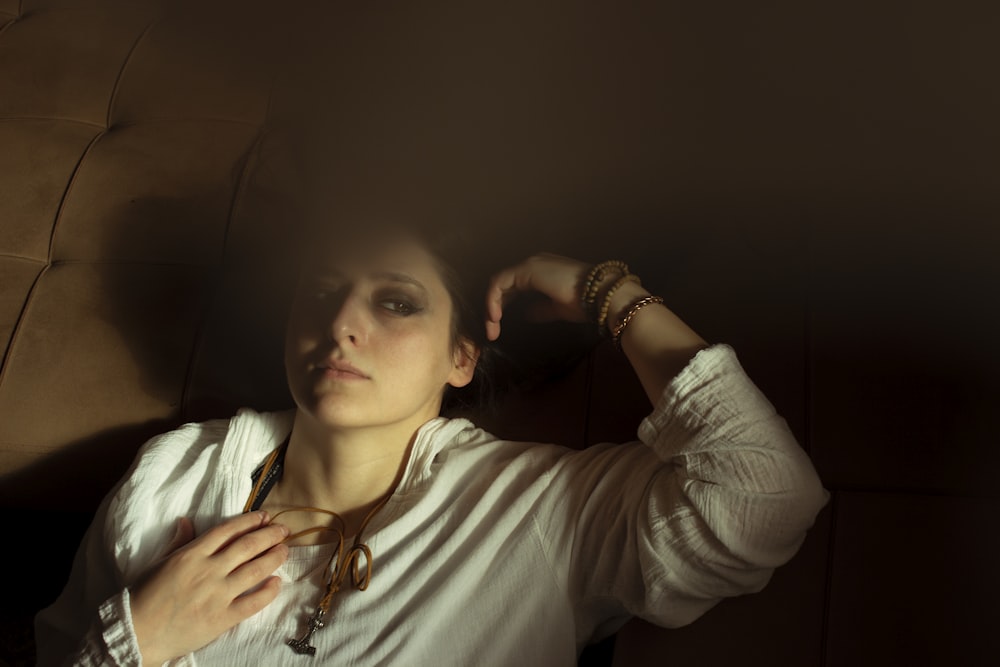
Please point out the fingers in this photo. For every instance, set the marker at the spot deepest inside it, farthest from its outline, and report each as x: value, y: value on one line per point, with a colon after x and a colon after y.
x: 554, y: 277
x: 250, y: 546
x: 503, y: 285
x: 183, y: 533
x: 499, y: 285
x: 209, y: 585
x: 220, y: 536
x: 494, y: 311
x: 246, y: 548
x: 249, y: 604
x: 253, y: 572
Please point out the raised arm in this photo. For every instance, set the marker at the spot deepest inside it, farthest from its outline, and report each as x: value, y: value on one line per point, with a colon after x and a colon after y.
x: 657, y: 343
x: 717, y: 495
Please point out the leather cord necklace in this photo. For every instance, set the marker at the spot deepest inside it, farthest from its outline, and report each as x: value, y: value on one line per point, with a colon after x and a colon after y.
x: 340, y: 565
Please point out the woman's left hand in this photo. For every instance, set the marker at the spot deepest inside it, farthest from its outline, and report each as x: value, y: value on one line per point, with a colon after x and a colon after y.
x: 657, y: 343
x: 558, y: 279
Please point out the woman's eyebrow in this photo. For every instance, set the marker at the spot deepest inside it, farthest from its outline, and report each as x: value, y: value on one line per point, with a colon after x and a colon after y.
x: 392, y: 276
x: 332, y: 274
x: 322, y: 274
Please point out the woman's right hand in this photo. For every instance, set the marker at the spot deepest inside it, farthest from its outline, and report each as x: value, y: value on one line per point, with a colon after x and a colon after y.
x: 206, y: 585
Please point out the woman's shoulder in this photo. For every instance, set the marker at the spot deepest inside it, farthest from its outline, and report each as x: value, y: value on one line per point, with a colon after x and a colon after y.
x: 186, y: 472
x: 183, y: 447
x: 180, y: 444
x: 465, y: 445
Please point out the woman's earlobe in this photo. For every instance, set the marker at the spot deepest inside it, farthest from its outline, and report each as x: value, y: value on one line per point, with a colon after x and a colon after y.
x: 465, y: 358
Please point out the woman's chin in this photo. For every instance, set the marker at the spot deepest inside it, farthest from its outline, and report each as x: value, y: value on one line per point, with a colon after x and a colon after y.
x: 338, y: 417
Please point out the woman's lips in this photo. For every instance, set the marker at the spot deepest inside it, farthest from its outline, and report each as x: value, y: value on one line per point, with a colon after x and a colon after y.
x: 342, y: 370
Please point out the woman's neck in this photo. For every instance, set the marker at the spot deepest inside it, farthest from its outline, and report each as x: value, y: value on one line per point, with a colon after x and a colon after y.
x: 346, y: 471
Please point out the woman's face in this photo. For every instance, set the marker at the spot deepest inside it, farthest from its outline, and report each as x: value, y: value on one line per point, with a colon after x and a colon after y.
x: 369, y: 341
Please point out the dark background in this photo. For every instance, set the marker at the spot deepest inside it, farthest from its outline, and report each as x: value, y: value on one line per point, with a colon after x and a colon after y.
x: 816, y: 184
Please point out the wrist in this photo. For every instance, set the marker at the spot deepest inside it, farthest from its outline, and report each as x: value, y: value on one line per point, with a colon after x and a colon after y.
x: 620, y: 301
x: 599, y: 280
x: 145, y: 640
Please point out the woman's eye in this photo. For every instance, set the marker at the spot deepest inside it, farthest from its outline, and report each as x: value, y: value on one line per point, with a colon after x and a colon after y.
x: 323, y: 291
x: 399, y: 306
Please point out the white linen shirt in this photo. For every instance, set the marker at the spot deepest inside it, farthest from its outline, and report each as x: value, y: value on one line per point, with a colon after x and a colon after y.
x: 489, y: 552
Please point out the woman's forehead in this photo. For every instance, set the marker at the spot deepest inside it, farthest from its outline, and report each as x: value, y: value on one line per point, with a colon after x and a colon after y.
x: 392, y: 254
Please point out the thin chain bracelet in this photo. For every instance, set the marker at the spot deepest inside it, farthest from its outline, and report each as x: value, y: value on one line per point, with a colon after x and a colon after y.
x: 616, y: 334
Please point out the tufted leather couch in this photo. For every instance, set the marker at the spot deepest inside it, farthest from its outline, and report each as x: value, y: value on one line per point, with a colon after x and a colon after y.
x: 145, y: 195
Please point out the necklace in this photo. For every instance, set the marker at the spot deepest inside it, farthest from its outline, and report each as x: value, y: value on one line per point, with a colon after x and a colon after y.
x: 340, y: 565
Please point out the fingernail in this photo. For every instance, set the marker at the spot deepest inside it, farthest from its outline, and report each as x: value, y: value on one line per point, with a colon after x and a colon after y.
x: 265, y: 517
x: 284, y: 529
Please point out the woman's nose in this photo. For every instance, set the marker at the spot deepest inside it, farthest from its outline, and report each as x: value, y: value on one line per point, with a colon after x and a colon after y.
x: 351, y: 322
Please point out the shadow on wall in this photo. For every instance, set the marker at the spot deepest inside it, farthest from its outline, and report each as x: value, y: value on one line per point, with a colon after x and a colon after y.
x: 139, y: 346
x: 147, y: 344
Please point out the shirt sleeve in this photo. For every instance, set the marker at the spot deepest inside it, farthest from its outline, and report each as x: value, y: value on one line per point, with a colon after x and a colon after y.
x: 90, y: 623
x: 716, y: 495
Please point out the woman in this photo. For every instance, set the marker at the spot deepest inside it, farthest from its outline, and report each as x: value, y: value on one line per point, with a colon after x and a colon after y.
x: 449, y: 546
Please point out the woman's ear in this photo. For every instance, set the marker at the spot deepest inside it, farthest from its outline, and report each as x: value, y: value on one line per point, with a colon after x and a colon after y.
x: 464, y: 360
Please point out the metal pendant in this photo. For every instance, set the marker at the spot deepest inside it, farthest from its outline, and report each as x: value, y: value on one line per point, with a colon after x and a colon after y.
x: 301, y: 645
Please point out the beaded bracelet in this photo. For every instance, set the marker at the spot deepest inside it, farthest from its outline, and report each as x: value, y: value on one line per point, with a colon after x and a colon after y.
x: 616, y: 334
x: 592, y: 284
x: 602, y: 316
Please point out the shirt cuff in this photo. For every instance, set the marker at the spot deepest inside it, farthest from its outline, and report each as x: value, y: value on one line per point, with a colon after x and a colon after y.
x: 694, y: 389
x: 117, y: 631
